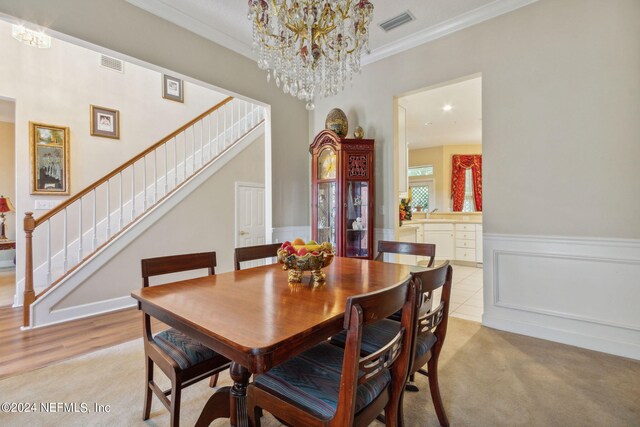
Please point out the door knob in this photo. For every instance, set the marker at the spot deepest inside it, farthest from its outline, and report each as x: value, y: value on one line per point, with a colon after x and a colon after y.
x: 244, y: 233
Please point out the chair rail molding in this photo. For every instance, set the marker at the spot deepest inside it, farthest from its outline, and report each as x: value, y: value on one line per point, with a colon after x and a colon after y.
x: 576, y: 291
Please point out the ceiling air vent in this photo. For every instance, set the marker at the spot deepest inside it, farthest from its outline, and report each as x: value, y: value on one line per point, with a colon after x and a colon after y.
x: 397, y: 21
x: 112, y: 63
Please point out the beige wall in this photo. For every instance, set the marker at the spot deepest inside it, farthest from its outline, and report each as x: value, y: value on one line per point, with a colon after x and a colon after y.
x: 440, y: 157
x: 561, y: 101
x: 203, y: 221
x: 7, y: 181
x: 117, y: 25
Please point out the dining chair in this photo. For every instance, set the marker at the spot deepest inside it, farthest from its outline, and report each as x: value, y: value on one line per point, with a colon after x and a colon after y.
x: 182, y: 359
x: 331, y: 386
x: 428, y: 335
x: 252, y: 253
x: 407, y: 248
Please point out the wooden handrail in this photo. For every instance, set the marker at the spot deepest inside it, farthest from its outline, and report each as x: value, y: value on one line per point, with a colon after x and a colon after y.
x: 130, y: 162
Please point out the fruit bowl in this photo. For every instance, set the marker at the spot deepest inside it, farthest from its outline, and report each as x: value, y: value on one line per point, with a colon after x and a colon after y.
x: 298, y: 257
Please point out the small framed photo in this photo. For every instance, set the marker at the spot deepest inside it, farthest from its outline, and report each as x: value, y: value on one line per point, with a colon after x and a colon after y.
x: 105, y: 122
x: 172, y: 88
x: 49, y: 159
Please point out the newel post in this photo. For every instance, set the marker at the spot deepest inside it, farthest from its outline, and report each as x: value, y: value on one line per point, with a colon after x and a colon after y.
x: 29, y: 294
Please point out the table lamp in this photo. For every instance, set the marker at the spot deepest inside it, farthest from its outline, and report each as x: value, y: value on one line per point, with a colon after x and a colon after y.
x: 5, y: 206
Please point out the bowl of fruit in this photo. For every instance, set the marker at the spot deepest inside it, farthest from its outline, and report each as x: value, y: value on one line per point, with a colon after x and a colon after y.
x: 297, y: 257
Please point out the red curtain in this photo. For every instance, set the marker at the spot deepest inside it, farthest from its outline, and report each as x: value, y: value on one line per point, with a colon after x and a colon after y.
x: 459, y: 167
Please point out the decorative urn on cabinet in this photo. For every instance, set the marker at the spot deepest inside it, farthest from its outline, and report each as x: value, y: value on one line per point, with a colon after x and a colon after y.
x: 337, y: 122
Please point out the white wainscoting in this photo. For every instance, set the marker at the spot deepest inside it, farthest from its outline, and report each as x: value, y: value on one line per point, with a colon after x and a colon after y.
x: 577, y: 291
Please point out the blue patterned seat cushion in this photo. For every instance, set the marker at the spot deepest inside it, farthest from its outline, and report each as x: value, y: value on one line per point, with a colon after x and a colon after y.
x: 312, y: 381
x: 376, y: 335
x: 184, y: 350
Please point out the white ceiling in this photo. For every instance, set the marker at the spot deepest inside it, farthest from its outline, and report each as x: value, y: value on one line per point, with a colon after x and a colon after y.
x: 7, y: 111
x: 428, y: 125
x: 225, y: 21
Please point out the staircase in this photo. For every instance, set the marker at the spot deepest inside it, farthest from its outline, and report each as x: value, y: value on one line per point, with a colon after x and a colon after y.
x: 63, y: 241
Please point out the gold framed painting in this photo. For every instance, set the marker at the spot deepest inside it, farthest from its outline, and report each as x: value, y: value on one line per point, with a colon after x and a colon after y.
x: 49, y: 159
x: 105, y: 122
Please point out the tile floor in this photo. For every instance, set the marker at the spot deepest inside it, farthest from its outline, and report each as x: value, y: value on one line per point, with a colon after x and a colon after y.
x: 466, y: 293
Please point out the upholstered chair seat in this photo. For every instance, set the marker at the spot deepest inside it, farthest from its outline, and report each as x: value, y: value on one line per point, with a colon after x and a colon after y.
x: 311, y: 381
x: 186, y: 351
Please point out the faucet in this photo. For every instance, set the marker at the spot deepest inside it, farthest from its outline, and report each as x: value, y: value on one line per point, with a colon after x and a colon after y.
x: 429, y: 213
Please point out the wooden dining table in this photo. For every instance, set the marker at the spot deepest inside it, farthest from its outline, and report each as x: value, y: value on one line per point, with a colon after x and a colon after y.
x: 257, y: 319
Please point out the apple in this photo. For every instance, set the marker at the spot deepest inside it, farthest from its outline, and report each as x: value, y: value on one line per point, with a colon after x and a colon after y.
x: 312, y: 242
x: 290, y: 250
x: 286, y: 243
x: 303, y: 251
x: 315, y: 253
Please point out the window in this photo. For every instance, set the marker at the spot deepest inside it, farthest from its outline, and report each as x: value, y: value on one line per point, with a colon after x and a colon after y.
x: 422, y: 195
x: 421, y: 171
x: 469, y: 201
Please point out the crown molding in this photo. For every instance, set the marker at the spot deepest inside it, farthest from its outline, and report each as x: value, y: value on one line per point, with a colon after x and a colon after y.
x: 460, y: 22
x: 169, y: 13
x: 188, y: 22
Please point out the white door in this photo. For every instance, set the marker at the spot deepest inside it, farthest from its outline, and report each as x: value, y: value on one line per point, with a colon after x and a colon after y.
x: 250, y: 229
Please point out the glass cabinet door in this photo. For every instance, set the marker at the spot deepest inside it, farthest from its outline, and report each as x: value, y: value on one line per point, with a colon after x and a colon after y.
x: 327, y: 212
x: 357, y: 216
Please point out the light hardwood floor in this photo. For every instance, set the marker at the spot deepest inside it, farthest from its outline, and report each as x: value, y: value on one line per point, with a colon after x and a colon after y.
x: 22, y: 351
x: 7, y: 286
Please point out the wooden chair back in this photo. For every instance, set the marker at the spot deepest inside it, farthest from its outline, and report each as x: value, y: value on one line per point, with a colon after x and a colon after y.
x: 177, y: 263
x: 251, y: 253
x: 430, y: 319
x: 407, y: 248
x: 394, y: 355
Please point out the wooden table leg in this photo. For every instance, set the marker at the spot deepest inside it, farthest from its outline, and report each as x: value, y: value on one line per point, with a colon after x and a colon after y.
x: 216, y: 407
x: 240, y: 376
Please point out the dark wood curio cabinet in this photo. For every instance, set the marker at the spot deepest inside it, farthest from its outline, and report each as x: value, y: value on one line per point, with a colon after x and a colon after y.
x: 342, y: 193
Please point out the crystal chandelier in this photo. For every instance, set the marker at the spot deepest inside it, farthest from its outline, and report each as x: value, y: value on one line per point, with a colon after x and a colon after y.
x: 310, y: 46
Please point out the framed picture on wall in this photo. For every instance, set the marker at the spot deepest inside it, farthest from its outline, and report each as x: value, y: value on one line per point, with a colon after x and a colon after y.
x: 49, y: 147
x: 172, y: 88
x: 105, y: 122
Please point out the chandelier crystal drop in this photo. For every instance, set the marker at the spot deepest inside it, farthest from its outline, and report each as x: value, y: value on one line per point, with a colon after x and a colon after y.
x: 310, y: 47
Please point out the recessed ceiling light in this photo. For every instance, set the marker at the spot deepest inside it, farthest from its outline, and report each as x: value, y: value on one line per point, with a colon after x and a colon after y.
x: 428, y: 123
x: 447, y: 107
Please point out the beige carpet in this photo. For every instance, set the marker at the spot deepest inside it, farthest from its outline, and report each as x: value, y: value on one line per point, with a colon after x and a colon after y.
x: 488, y: 378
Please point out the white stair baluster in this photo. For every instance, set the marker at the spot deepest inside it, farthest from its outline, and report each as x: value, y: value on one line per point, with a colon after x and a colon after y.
x: 133, y: 191
x: 175, y: 161
x: 184, y: 156
x: 65, y: 242
x: 209, y: 136
x: 80, y: 236
x: 224, y: 128
x: 120, y: 219
x: 95, y: 225
x: 144, y: 183
x: 155, y: 176
x: 217, y: 132
x: 48, y: 252
x: 193, y: 149
x: 108, y: 231
x: 166, y: 170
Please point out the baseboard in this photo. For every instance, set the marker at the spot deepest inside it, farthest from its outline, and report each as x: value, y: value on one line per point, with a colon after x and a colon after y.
x: 6, y: 263
x: 576, y: 291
